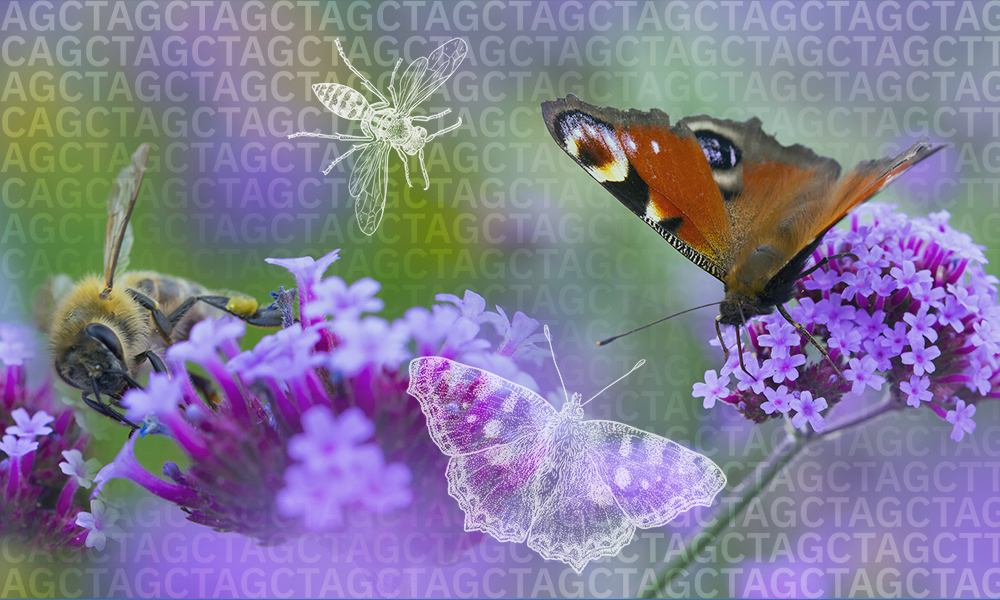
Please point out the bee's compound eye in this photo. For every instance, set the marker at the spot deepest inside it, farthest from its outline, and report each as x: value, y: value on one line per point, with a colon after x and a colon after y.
x: 103, y: 334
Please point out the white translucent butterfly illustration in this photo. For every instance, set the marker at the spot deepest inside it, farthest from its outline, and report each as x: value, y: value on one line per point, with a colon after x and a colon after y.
x: 387, y: 124
x: 574, y: 489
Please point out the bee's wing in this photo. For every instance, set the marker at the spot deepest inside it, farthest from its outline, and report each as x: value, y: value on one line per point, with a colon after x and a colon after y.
x: 425, y: 75
x: 55, y: 288
x: 369, y: 182
x: 118, y: 236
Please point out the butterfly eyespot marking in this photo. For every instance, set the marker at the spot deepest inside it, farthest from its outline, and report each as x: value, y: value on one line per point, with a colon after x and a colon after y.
x: 595, y: 145
x: 720, y: 151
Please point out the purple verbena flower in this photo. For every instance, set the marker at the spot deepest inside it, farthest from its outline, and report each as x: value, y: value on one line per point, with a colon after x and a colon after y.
x: 30, y: 427
x: 713, y: 389
x: 809, y: 411
x: 961, y: 418
x: 100, y: 524
x: 911, y: 314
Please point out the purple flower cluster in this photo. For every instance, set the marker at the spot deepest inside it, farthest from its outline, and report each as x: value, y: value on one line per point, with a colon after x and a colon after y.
x: 42, y: 465
x: 278, y: 436
x: 906, y: 309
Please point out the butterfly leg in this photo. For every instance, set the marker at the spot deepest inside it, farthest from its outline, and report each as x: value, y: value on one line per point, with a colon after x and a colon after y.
x: 364, y: 80
x: 825, y: 260
x: 718, y: 332
x: 798, y: 326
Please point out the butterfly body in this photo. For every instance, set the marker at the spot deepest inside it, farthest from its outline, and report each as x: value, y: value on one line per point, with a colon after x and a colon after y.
x: 728, y: 196
x: 574, y: 489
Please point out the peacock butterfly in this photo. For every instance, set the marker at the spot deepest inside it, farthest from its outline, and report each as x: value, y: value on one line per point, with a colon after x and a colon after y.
x: 728, y: 196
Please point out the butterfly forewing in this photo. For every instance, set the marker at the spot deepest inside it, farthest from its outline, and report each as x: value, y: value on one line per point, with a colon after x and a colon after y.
x: 657, y: 171
x: 425, y: 75
x: 469, y: 410
x: 870, y: 176
x: 651, y: 478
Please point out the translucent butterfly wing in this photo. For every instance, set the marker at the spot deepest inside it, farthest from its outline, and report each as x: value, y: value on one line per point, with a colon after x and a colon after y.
x: 469, y: 410
x: 425, y: 75
x: 495, y: 487
x: 651, y: 478
x: 576, y: 519
x: 492, y: 428
x: 118, y: 236
x: 369, y: 184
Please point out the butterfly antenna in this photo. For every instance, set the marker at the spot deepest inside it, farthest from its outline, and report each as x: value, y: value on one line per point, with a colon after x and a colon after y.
x: 611, y: 339
x: 548, y: 336
x: 641, y: 362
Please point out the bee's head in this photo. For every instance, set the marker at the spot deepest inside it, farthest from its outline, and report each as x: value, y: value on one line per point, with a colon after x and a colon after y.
x: 95, y: 362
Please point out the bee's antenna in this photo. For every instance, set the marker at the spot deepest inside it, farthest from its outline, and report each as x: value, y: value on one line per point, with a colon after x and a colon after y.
x: 641, y: 362
x: 611, y: 339
x: 548, y: 336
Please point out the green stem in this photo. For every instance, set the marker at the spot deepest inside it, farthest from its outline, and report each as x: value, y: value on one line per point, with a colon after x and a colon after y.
x: 745, y: 493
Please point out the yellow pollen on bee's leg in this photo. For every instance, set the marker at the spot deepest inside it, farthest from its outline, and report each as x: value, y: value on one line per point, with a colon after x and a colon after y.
x: 241, y: 305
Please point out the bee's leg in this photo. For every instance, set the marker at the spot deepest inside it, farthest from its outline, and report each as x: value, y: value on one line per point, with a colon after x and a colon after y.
x: 431, y: 117
x: 354, y: 148
x: 406, y: 165
x: 331, y: 136
x: 423, y: 168
x: 154, y: 360
x: 364, y: 80
x: 106, y: 410
x: 163, y: 324
x: 825, y: 260
x: 443, y: 131
x: 204, y: 386
x: 261, y: 317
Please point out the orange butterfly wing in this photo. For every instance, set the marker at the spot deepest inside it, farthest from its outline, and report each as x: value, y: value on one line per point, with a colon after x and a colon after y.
x: 656, y: 171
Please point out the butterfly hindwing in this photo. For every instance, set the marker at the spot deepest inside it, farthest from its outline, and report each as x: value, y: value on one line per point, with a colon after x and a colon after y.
x: 469, y: 410
x: 650, y: 477
x: 577, y: 519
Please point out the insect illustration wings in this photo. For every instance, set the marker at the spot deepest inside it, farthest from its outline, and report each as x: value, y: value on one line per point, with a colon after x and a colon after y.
x: 728, y: 196
x: 575, y: 491
x: 425, y: 75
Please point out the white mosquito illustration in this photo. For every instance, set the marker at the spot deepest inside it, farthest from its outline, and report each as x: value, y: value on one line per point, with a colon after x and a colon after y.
x: 387, y: 124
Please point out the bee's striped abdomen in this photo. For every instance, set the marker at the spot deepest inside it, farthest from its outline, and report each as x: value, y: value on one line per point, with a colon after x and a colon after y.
x: 342, y: 100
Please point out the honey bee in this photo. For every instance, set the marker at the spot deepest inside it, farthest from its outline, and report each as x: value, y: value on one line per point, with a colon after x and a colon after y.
x: 103, y: 329
x: 387, y: 125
